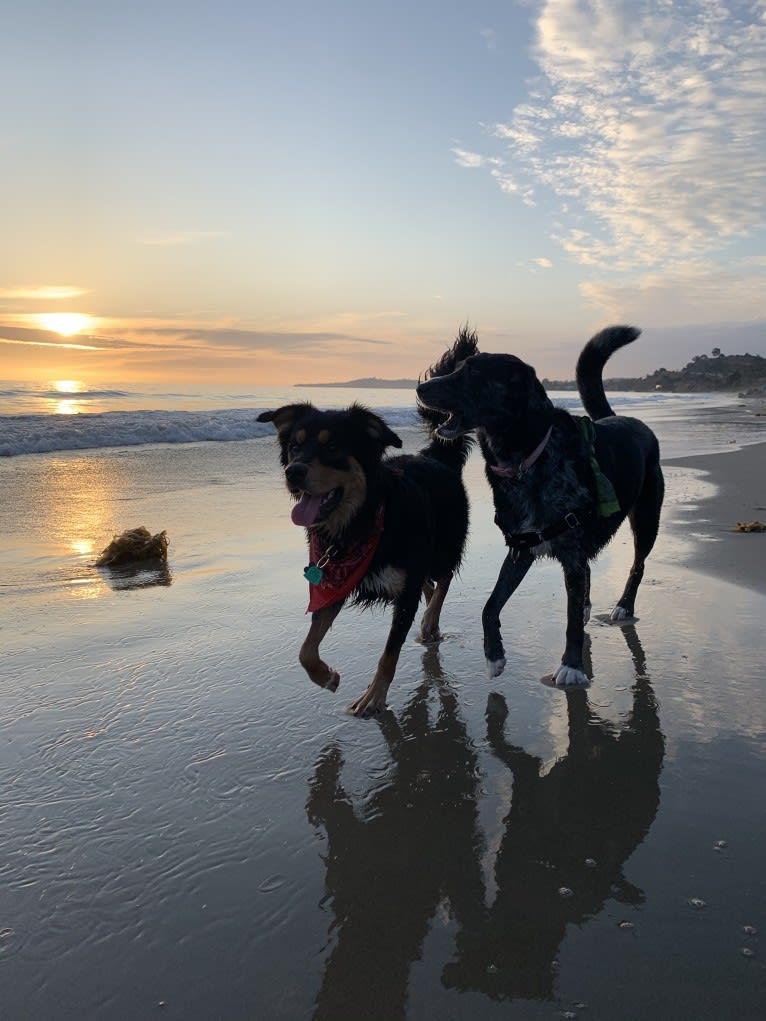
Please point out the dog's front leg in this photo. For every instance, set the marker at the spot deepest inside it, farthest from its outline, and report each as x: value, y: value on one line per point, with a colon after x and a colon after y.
x: 374, y: 699
x: 511, y: 575
x: 319, y: 672
x: 571, y: 674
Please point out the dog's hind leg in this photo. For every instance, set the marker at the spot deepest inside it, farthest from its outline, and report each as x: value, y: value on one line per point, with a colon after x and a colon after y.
x: 429, y: 626
x: 645, y: 522
x: 571, y: 674
x: 319, y: 672
x: 374, y: 699
x: 511, y: 575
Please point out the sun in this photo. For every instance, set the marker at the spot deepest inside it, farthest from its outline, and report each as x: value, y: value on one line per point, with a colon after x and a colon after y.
x: 66, y: 324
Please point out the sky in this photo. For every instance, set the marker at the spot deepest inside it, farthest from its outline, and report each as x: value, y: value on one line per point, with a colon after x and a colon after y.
x: 254, y: 192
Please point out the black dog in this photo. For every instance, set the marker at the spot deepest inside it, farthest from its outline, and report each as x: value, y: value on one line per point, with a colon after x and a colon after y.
x: 379, y: 530
x: 561, y: 486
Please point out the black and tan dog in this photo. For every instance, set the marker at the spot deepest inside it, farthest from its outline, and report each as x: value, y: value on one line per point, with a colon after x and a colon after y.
x: 380, y: 529
x: 561, y: 485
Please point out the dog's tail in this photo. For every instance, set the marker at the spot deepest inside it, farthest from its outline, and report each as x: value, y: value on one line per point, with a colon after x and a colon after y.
x: 453, y: 453
x: 590, y: 366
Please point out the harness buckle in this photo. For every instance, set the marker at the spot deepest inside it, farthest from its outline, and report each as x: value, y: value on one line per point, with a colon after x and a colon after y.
x: 571, y: 520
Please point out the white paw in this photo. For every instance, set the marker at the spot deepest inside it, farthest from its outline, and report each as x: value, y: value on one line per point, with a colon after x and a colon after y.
x: 495, y: 667
x: 619, y: 613
x: 569, y: 677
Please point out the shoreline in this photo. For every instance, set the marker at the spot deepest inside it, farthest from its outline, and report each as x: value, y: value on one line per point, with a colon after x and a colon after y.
x: 738, y: 478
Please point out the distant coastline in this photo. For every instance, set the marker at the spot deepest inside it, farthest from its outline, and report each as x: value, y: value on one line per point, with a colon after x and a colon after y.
x: 371, y: 383
x: 743, y: 374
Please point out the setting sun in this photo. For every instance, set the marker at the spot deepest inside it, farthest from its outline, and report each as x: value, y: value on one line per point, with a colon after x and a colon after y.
x: 66, y: 324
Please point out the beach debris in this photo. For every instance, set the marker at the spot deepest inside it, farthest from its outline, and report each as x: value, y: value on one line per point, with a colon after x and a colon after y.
x: 697, y: 903
x: 134, y: 544
x: 749, y: 930
x: 625, y: 924
x: 747, y: 952
x: 749, y: 526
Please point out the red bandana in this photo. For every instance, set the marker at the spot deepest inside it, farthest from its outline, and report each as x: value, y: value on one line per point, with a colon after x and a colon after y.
x: 341, y: 575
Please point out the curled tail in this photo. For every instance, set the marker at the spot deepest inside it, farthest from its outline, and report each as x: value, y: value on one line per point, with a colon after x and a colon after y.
x: 453, y: 453
x: 590, y: 366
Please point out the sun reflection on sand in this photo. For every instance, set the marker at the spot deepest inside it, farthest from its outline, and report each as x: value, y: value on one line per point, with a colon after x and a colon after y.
x: 83, y: 495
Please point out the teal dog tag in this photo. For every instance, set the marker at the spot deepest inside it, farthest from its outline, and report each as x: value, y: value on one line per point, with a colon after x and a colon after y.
x: 313, y: 574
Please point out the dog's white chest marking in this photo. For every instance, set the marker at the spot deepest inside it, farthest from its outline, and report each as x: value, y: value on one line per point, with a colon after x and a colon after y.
x: 387, y: 582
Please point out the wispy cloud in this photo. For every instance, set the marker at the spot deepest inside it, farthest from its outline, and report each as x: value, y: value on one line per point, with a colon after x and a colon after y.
x: 489, y: 35
x: 543, y: 263
x: 645, y: 130
x: 41, y: 292
x: 176, y: 338
x: 464, y: 158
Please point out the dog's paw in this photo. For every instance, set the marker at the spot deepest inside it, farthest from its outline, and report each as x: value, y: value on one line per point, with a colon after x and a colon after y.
x: 371, y: 703
x: 332, y: 680
x: 495, y: 667
x: 619, y: 613
x: 570, y: 677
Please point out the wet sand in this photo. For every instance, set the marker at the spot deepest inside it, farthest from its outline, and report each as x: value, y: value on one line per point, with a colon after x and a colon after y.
x: 737, y: 494
x: 192, y: 830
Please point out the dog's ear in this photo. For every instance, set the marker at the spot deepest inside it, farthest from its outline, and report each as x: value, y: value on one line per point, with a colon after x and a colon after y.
x: 375, y: 427
x: 284, y: 417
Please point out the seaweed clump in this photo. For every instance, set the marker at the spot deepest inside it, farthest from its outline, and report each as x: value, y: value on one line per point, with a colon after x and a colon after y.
x: 136, y: 544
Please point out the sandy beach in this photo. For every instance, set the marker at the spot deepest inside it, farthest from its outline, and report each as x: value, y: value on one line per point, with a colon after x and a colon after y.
x: 193, y: 831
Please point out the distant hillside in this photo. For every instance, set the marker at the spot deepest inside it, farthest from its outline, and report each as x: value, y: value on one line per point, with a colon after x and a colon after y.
x: 371, y: 383
x: 744, y: 374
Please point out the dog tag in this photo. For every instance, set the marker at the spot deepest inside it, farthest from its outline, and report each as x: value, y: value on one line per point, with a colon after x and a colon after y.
x: 313, y: 574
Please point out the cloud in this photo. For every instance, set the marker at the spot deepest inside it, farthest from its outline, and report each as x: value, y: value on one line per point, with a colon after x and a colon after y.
x: 463, y: 158
x: 692, y: 292
x: 42, y: 292
x: 543, y: 263
x: 645, y: 130
x: 140, y: 335
x: 489, y: 35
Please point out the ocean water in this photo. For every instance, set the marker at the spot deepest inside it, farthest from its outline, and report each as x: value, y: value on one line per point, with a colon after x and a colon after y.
x: 39, y: 419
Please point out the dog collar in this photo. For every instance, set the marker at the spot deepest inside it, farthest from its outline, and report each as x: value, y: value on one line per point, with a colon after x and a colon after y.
x: 331, y: 577
x: 512, y: 471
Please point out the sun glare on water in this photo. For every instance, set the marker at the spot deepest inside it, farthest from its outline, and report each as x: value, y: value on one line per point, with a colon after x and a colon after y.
x: 66, y: 324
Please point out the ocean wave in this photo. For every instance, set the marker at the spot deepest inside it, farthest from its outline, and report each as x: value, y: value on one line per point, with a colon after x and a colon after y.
x: 42, y: 434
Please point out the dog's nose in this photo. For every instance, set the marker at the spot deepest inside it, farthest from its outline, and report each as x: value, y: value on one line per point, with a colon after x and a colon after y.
x: 295, y: 473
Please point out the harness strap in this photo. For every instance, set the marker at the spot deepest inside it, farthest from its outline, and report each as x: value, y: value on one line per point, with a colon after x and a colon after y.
x: 521, y: 542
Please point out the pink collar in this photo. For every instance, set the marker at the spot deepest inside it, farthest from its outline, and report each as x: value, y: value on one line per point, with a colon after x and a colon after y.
x: 512, y: 471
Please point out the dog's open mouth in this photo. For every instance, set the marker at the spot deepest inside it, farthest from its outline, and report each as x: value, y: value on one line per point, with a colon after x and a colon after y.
x: 455, y: 426
x: 311, y: 509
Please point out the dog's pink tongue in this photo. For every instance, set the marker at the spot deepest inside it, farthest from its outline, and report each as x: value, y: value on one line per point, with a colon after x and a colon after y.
x: 306, y: 509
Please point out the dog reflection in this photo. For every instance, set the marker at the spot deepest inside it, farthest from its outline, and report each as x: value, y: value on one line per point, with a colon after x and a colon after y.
x: 412, y: 848
x: 567, y: 837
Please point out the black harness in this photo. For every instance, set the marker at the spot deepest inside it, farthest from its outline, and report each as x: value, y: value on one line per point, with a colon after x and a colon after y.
x: 522, y: 542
